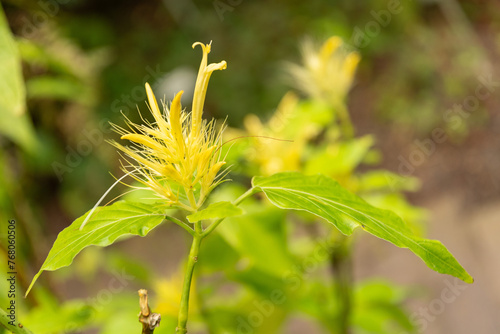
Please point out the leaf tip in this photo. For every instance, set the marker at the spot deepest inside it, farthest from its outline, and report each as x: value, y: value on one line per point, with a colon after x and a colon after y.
x: 32, y: 283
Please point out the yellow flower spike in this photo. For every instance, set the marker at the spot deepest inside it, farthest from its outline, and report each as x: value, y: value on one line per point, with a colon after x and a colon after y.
x: 325, y: 73
x: 200, y: 89
x: 176, y: 153
x: 155, y: 110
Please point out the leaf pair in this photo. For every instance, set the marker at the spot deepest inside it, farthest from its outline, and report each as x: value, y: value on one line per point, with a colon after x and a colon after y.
x: 316, y: 194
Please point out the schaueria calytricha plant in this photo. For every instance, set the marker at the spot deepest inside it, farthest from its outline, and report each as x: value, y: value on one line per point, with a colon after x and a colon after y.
x: 180, y: 152
x: 178, y: 157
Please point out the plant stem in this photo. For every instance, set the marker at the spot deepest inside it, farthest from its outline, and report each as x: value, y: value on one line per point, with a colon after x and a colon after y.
x: 198, y: 236
x: 345, y: 120
x: 192, y: 259
x: 341, y: 263
x: 17, y: 328
x: 181, y: 224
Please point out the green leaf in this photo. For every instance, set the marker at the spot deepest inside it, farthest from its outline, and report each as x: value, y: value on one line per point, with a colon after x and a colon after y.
x: 325, y: 198
x: 383, y: 180
x: 15, y: 124
x: 48, y: 319
x: 379, y: 308
x: 260, y: 239
x: 60, y: 87
x: 347, y: 156
x: 104, y: 227
x: 215, y: 211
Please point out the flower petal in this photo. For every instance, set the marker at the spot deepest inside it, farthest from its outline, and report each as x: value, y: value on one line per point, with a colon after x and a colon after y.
x: 176, y: 124
x: 200, y: 89
x: 155, y: 110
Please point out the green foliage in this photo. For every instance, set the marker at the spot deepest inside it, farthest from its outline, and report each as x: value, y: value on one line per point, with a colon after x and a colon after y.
x: 54, y: 318
x: 378, y: 308
x: 57, y: 88
x: 216, y: 211
x: 68, y: 89
x: 104, y: 227
x: 347, y: 154
x: 15, y: 123
x: 325, y: 198
x: 267, y: 252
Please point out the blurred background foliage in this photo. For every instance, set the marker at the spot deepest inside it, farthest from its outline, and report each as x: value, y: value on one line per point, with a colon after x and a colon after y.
x: 68, y: 68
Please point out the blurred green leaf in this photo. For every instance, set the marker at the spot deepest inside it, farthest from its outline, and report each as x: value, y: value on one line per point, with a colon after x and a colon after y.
x: 216, y: 210
x: 137, y: 268
x: 37, y: 54
x: 313, y: 112
x: 16, y: 123
x: 346, y: 155
x: 325, y: 198
x: 259, y: 237
x: 49, y: 319
x: 379, y: 308
x: 120, y: 314
x: 384, y: 180
x: 105, y: 226
x: 262, y: 282
x: 218, y: 255
x: 56, y: 88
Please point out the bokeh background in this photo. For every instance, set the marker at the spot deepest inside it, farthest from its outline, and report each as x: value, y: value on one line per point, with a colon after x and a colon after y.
x: 85, y: 61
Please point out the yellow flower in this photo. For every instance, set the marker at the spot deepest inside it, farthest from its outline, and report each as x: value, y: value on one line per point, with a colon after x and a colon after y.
x: 326, y: 76
x: 169, y: 293
x: 327, y: 72
x: 179, y: 151
x: 278, y: 145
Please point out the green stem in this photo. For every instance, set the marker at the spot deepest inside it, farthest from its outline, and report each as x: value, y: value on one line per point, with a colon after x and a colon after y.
x: 192, y: 259
x: 181, y: 224
x: 6, y: 322
x: 341, y: 263
x: 198, y: 235
x: 345, y: 120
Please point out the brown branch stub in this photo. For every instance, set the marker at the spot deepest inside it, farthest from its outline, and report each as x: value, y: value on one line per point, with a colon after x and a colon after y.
x: 143, y: 302
x: 149, y: 320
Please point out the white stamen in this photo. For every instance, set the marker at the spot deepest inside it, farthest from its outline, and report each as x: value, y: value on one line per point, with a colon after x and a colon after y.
x: 102, y: 198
